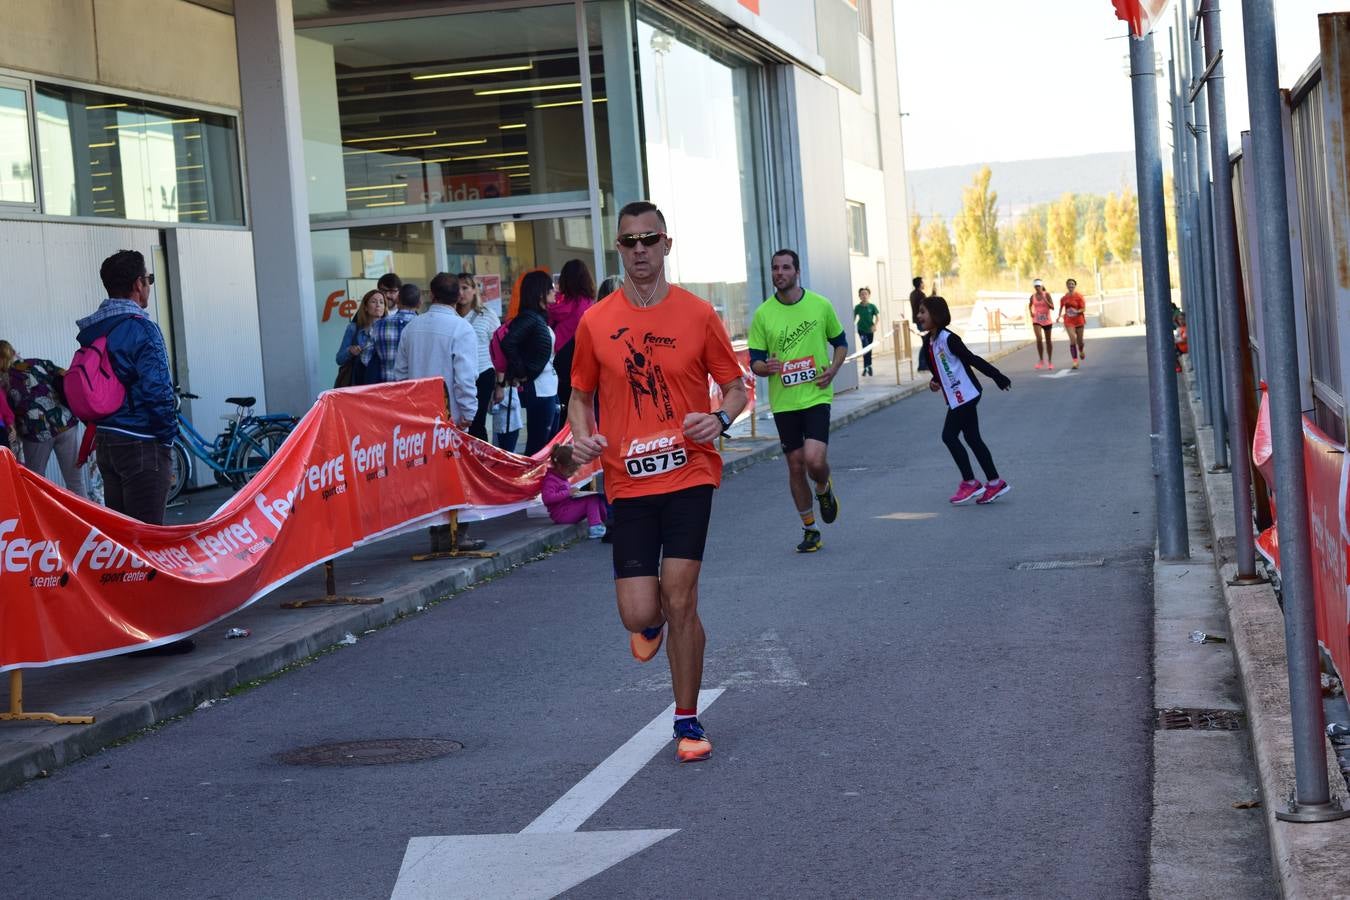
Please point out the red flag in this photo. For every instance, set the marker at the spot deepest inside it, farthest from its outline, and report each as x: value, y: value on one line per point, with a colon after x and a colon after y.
x: 1141, y: 14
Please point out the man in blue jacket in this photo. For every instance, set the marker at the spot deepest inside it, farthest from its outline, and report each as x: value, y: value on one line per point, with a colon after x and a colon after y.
x: 134, y: 443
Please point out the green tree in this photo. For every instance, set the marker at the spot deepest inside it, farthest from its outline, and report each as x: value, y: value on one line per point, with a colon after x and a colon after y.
x: 918, y: 259
x: 977, y: 229
x: 1009, y: 242
x: 1062, y: 230
x: 1030, y: 245
x: 938, y: 251
x: 1092, y: 249
x: 1122, y: 224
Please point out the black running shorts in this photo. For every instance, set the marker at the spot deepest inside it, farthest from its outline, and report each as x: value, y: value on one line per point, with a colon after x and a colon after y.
x: 649, y: 529
x: 794, y: 428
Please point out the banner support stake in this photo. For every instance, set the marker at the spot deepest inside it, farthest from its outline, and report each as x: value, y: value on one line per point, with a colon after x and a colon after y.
x: 330, y: 597
x: 16, y: 713
x: 454, y: 552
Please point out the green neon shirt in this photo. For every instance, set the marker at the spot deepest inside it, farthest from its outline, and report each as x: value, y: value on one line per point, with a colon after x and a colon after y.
x: 798, y: 334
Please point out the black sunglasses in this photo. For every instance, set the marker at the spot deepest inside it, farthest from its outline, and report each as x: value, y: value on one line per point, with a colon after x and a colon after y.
x: 648, y: 239
x: 149, y: 278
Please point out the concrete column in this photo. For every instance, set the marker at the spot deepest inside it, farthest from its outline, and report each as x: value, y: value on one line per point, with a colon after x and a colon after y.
x: 279, y: 214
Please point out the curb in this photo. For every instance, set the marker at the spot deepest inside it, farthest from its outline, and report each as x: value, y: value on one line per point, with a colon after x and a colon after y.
x: 1308, y: 859
x: 23, y: 760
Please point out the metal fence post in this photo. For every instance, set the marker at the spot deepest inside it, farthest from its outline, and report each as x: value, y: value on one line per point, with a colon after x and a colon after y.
x: 1312, y: 796
x: 1213, y: 331
x: 1169, y: 484
x: 1226, y: 257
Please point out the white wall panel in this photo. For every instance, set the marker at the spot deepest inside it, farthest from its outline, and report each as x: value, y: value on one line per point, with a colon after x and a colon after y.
x: 216, y: 324
x: 50, y: 274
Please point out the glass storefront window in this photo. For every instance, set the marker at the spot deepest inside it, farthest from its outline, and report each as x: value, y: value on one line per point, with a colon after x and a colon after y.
x: 476, y: 110
x: 124, y: 158
x: 496, y: 253
x: 698, y: 103
x: 16, y: 152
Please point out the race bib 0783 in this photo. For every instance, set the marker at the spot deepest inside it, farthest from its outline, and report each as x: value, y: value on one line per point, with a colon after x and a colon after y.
x: 799, y: 371
x: 654, y: 455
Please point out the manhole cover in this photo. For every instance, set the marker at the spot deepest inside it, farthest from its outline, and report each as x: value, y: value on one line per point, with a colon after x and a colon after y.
x: 1199, y: 719
x: 1043, y: 564
x: 370, y: 753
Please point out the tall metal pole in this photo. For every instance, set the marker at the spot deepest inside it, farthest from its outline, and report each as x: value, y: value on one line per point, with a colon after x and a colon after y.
x: 1226, y: 258
x: 1192, y: 289
x: 1169, y: 485
x: 1213, y: 344
x: 1312, y: 796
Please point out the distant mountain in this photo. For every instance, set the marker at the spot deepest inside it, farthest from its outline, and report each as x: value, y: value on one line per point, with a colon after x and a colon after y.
x: 1021, y: 184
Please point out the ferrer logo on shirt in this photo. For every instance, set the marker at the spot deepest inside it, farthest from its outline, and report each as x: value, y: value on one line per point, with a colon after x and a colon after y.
x: 646, y: 382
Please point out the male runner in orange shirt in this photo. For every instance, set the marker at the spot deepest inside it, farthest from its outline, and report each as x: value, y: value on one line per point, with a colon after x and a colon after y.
x: 652, y: 345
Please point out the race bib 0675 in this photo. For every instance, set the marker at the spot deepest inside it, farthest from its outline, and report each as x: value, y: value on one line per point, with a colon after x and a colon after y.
x: 654, y: 455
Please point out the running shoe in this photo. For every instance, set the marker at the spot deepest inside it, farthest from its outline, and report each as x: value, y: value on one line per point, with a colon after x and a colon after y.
x: 810, y: 541
x: 1050, y: 366
x: 1075, y: 363
x: 829, y: 504
x: 596, y: 532
x: 1082, y: 353
x: 691, y: 741
x: 1040, y: 364
x: 993, y: 490
x: 965, y: 492
x: 645, y: 644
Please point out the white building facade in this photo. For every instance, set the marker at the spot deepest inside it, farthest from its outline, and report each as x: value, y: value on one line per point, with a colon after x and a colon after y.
x: 272, y: 158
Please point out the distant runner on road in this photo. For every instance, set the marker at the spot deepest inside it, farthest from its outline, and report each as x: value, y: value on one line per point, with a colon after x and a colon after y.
x: 1042, y: 308
x: 652, y: 346
x: 953, y: 374
x: 1073, y: 311
x: 797, y: 343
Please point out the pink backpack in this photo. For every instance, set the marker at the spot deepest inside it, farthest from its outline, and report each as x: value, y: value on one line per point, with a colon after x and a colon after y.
x: 91, y: 386
x: 495, y: 348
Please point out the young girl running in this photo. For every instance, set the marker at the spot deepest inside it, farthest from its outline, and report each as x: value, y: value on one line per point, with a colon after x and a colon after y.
x: 1073, y: 312
x: 952, y: 364
x: 565, y: 505
x: 1042, y: 306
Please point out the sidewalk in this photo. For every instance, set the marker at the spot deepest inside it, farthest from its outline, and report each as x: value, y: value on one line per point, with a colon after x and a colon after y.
x: 1308, y: 860
x: 129, y: 695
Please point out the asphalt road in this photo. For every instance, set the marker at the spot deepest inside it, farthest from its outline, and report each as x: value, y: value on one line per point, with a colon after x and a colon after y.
x: 905, y: 714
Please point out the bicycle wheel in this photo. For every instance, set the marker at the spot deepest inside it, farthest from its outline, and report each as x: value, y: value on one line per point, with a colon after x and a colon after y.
x: 254, y: 447
x: 182, y: 471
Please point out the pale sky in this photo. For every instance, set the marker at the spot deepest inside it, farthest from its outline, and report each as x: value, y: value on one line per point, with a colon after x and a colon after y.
x: 989, y: 80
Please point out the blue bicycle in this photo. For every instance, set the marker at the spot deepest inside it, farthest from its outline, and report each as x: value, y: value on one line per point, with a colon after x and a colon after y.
x: 237, y: 453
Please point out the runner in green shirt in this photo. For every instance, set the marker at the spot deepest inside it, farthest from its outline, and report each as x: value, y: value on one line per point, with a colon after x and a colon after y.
x: 797, y: 343
x: 866, y: 313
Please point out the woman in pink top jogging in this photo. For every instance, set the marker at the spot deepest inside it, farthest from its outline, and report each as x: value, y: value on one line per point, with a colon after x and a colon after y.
x: 1042, y: 308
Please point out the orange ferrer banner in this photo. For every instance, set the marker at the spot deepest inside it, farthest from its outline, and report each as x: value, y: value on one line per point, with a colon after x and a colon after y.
x: 79, y: 581
x: 1326, y: 470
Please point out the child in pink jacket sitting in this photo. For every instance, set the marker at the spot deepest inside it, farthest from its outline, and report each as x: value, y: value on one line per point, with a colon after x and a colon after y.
x: 566, y: 505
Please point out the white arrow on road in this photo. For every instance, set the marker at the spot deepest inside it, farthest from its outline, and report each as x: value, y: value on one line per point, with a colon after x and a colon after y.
x: 1062, y: 373
x: 549, y: 856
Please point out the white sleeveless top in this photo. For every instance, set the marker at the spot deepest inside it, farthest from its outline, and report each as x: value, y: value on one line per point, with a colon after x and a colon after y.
x: 951, y: 374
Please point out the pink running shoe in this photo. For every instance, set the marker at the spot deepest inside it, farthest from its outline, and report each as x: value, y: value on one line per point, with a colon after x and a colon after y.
x: 967, y: 490
x: 1050, y: 366
x: 993, y: 490
x: 1040, y: 364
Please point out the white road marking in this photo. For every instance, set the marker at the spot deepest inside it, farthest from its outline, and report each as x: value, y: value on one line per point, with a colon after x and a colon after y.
x: 549, y: 856
x: 604, y: 781
x: 762, y: 661
x: 1062, y: 373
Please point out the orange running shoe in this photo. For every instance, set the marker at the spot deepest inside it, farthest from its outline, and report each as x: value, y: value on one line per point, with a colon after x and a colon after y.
x: 646, y: 644
x: 691, y: 741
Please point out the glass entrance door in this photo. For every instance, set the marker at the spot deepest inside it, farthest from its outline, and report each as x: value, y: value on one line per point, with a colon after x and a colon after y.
x: 498, y: 252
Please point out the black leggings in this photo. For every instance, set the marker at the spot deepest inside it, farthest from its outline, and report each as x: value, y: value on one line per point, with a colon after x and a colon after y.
x: 486, y: 385
x: 965, y: 420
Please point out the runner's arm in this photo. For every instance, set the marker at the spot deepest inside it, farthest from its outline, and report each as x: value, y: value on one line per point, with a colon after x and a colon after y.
x: 979, y: 363
x: 840, y: 344
x: 704, y: 427
x: 586, y: 444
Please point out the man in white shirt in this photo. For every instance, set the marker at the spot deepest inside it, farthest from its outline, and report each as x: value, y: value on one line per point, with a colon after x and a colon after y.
x: 440, y: 344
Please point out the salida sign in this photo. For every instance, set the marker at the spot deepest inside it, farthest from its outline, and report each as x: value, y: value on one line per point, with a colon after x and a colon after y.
x: 78, y: 581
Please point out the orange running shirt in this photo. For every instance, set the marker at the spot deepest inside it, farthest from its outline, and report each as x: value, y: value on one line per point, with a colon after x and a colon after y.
x: 651, y: 367
x: 1074, y: 308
